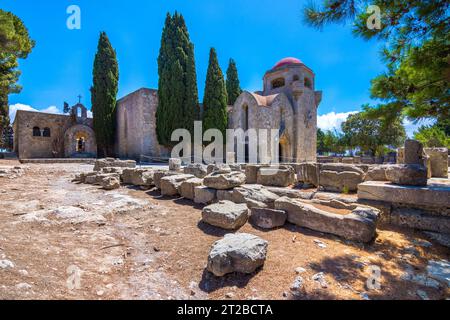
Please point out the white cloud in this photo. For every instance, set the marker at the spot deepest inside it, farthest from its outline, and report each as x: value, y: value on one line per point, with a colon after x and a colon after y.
x: 332, y: 121
x: 18, y: 106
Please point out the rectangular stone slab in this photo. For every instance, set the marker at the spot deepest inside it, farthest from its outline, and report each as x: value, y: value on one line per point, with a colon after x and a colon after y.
x: 436, y: 194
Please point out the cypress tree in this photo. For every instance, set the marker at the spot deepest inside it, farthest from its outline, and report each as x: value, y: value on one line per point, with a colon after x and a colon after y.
x: 104, y: 94
x: 215, y: 114
x: 177, y: 88
x: 233, y: 85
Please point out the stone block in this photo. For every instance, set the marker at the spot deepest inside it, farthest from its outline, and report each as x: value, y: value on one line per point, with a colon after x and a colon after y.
x: 187, y: 188
x: 268, y: 218
x: 204, y: 195
x: 438, y: 161
x: 360, y: 225
x: 282, y: 176
x: 419, y: 219
x: 434, y: 195
x: 345, y: 181
x: 224, y: 181
x: 411, y: 175
x: 174, y: 164
x: 170, y: 185
x: 413, y: 152
x: 226, y: 215
x: 240, y: 252
x: 308, y: 173
x: 197, y: 169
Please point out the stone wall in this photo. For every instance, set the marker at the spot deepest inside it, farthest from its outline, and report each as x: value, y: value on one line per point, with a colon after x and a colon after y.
x: 136, y: 126
x: 28, y: 146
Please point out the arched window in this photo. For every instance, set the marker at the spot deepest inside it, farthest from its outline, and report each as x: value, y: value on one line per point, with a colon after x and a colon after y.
x: 46, y: 132
x: 36, y: 132
x: 278, y: 83
x: 308, y: 83
x: 295, y: 78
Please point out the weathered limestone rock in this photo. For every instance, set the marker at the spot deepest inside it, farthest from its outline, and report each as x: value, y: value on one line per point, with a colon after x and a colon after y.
x: 308, y: 173
x: 204, y: 195
x: 251, y: 172
x: 82, y: 177
x: 292, y: 193
x: 347, y: 160
x: 282, y: 176
x: 225, y: 214
x: 224, y: 181
x: 218, y: 168
x: 376, y: 173
x: 342, y: 167
x: 171, y: 184
x: 111, y: 183
x: 111, y: 162
x: 239, y: 252
x: 360, y: 225
x: 99, y: 177
x: 345, y: 181
x: 410, y: 175
x: 254, y: 196
x: 437, y: 196
x: 187, y: 188
x: 137, y: 177
x: 90, y: 179
x: 439, y: 161
x: 159, y: 174
x: 225, y: 195
x: 174, y: 164
x: 413, y: 152
x: 439, y: 270
x: 418, y: 219
x: 112, y: 170
x: 268, y: 218
x: 197, y: 169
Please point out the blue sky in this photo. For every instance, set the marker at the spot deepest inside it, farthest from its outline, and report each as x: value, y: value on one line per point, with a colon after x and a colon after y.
x: 256, y: 33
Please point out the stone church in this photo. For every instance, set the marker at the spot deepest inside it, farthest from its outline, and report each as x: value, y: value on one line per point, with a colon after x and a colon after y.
x: 288, y: 102
x: 41, y: 135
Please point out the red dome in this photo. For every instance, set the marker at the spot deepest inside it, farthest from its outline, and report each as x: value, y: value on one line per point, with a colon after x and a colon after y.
x: 287, y: 61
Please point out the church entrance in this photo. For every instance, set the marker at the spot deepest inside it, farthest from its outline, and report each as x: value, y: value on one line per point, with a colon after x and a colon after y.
x: 81, y: 145
x: 79, y: 142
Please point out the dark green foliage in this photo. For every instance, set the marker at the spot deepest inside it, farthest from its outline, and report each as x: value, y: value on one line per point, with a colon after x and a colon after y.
x: 233, y: 85
x: 104, y: 95
x: 372, y: 135
x: 432, y: 136
x: 177, y: 89
x: 15, y: 44
x: 215, y: 114
x: 416, y: 34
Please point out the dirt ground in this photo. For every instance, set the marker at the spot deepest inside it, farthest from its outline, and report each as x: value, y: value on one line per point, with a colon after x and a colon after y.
x: 73, y: 241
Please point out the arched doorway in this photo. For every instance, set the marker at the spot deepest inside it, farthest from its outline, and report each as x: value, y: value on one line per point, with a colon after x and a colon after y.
x: 79, y: 141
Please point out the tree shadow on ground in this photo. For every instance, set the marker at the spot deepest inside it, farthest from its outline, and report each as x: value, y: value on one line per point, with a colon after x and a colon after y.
x: 346, y: 269
x: 210, y: 283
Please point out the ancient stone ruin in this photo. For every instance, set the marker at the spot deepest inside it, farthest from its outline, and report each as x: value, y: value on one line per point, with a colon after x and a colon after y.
x: 348, y: 201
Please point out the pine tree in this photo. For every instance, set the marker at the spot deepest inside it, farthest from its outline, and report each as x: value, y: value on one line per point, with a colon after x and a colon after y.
x: 104, y: 94
x: 177, y: 89
x: 215, y: 114
x: 233, y: 85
